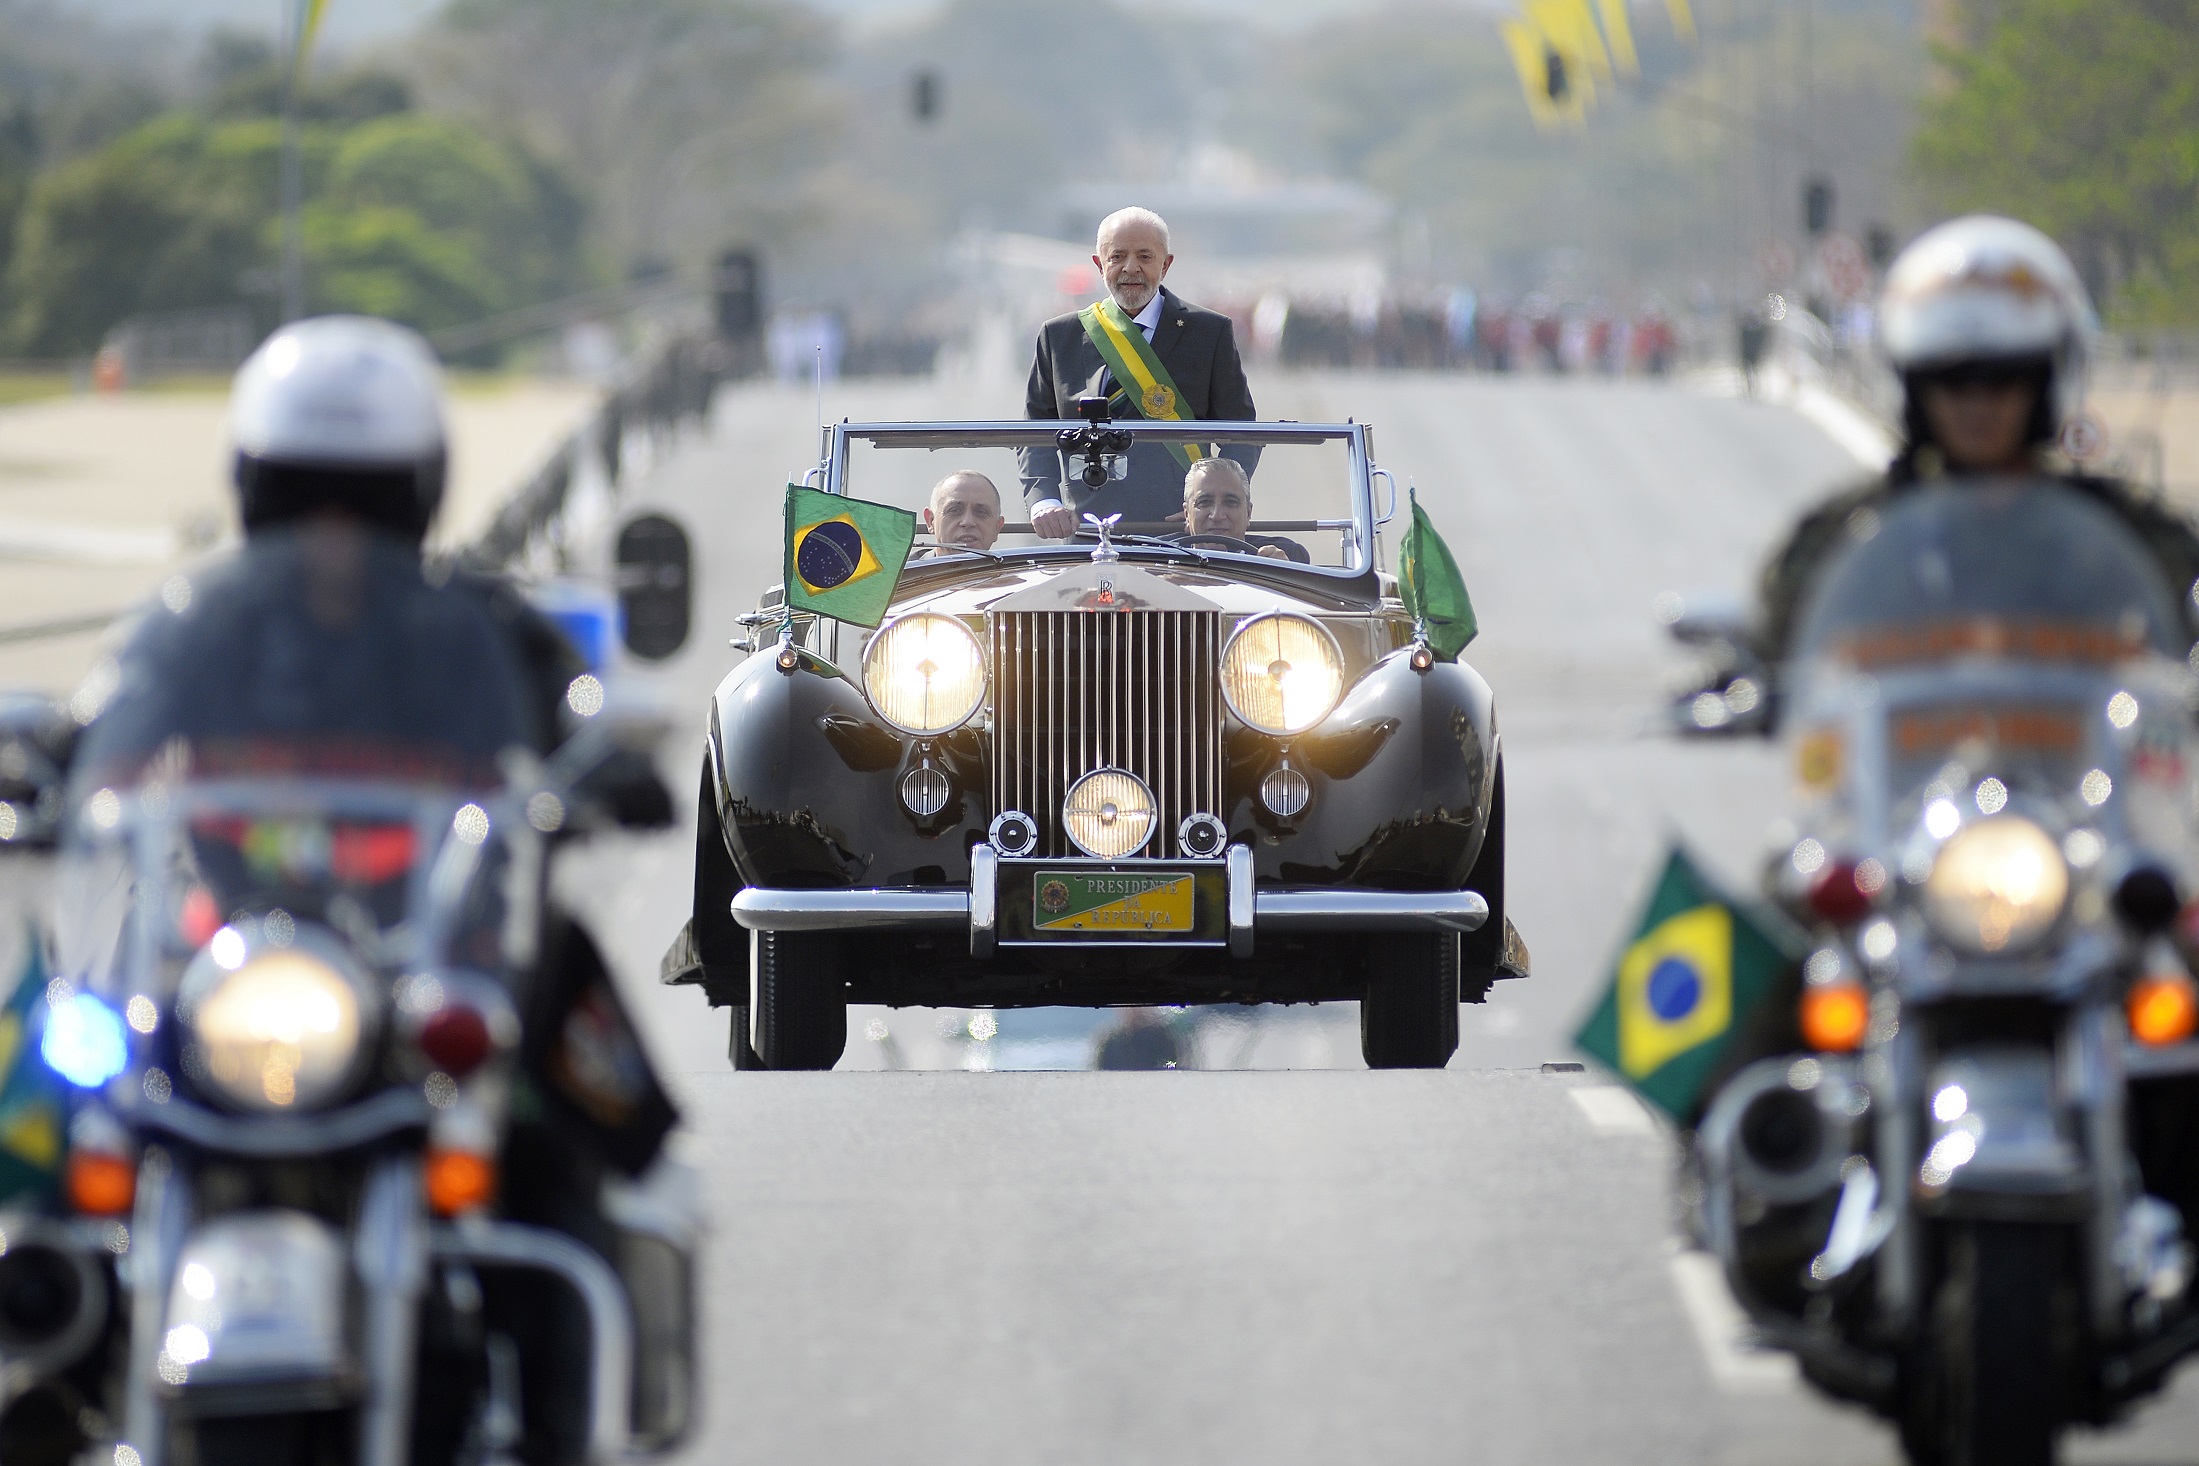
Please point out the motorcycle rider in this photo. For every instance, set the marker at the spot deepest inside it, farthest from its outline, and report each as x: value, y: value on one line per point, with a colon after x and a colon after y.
x: 324, y: 642
x: 1989, y: 327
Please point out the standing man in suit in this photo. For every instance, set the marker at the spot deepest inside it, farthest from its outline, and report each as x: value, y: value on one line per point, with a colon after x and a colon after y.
x: 1182, y: 363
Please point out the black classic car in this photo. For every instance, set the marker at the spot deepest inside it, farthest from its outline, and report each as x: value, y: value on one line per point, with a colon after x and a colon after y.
x: 1146, y: 765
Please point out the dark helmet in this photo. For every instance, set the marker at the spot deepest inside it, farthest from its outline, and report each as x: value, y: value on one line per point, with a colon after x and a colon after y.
x: 344, y: 413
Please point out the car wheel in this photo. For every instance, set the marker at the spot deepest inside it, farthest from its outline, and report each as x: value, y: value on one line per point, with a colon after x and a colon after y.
x: 801, y: 1019
x: 1408, y: 1018
x: 738, y: 1048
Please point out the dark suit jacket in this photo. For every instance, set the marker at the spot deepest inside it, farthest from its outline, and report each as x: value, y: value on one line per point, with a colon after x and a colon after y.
x: 1199, y: 348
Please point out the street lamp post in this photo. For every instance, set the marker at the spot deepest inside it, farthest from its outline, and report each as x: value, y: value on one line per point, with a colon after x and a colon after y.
x: 293, y: 183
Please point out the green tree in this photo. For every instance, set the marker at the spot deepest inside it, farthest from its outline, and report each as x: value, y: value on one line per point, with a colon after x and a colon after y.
x: 2082, y: 117
x: 416, y: 218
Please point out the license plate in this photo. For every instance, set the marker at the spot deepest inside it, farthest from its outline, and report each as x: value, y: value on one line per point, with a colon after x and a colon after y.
x: 1111, y: 901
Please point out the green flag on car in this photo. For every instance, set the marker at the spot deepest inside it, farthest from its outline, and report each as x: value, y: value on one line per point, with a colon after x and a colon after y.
x: 1434, y: 591
x: 844, y: 556
x: 1686, y: 984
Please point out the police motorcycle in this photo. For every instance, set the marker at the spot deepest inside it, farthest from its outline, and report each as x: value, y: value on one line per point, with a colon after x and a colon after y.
x: 1967, y: 1198
x: 334, y: 1064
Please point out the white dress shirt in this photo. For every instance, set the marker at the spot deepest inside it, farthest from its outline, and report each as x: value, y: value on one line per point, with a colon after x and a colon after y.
x: 1146, y: 320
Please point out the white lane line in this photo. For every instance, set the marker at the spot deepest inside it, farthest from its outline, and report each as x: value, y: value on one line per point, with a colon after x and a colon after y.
x: 87, y: 544
x: 1612, y: 1111
x: 1846, y: 424
x: 1737, y: 1364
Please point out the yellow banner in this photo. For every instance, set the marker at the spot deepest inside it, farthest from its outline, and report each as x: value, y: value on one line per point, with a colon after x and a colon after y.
x: 1683, y: 19
x: 1618, y: 34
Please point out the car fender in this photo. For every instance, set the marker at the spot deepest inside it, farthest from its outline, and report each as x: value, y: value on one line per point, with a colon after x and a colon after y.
x: 807, y: 780
x: 1401, y: 772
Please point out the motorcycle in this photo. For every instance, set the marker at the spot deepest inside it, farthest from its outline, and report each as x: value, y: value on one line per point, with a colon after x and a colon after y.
x: 1965, y: 1200
x: 287, y: 1008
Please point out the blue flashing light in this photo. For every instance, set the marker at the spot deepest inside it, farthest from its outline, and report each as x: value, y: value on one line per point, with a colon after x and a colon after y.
x: 84, y: 1041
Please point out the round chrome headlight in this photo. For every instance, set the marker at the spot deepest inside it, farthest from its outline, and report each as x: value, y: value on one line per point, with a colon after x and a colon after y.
x: 924, y: 674
x: 274, y: 1028
x: 1108, y: 814
x: 1282, y: 674
x: 1997, y: 886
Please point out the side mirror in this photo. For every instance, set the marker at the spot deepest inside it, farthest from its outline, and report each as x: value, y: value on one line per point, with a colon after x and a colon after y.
x: 1385, y: 511
x: 37, y: 740
x: 1704, y: 618
x: 655, y: 586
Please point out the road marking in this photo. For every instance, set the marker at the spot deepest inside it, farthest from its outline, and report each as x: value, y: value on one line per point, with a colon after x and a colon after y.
x: 1612, y: 1111
x: 1846, y: 424
x: 1738, y: 1364
x: 86, y: 544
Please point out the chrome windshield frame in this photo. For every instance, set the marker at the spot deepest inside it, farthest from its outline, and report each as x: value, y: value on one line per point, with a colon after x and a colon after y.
x: 1360, y: 529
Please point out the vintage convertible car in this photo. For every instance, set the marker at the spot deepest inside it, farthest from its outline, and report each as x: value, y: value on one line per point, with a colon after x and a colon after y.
x: 1136, y: 767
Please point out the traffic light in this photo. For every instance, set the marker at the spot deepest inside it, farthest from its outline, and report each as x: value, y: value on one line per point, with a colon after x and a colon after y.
x: 737, y: 290
x: 924, y: 95
x: 1878, y: 240
x: 1555, y: 85
x: 1817, y: 206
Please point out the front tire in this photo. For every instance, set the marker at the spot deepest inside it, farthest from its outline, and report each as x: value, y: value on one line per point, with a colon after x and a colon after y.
x: 1408, y: 1018
x: 1995, y: 1381
x: 801, y: 1002
x: 738, y: 1048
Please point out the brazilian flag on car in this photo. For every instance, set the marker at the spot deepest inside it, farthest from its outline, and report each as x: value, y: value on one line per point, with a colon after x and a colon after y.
x: 1433, y: 590
x: 844, y: 556
x: 30, y: 1095
x: 1686, y: 984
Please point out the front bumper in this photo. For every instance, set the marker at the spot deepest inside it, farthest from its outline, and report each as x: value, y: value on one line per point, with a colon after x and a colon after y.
x: 1250, y: 910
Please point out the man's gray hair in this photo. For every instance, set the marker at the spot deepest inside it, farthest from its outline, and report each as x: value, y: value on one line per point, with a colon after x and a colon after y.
x: 1218, y: 464
x: 1131, y: 215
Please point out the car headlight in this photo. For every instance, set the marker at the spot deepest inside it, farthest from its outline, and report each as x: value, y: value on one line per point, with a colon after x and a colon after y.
x: 1108, y: 814
x: 275, y: 1028
x: 1996, y: 886
x: 924, y: 674
x: 1282, y: 674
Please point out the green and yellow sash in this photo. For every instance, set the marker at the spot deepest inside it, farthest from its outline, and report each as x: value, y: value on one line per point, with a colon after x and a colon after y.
x: 1137, y: 371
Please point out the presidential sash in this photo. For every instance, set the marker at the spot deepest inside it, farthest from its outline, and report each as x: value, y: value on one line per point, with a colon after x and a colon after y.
x: 1137, y: 371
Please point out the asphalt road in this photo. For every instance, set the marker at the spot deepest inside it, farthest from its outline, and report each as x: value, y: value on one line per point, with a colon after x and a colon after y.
x: 1307, y: 1264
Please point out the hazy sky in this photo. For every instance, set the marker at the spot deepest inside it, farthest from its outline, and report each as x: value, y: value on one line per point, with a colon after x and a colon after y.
x: 352, y: 20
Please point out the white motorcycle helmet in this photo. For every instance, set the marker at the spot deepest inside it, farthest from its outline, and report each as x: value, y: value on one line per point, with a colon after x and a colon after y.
x: 1984, y: 291
x: 340, y: 412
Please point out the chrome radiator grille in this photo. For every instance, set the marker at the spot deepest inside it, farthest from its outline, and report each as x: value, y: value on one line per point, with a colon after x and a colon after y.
x: 1075, y: 691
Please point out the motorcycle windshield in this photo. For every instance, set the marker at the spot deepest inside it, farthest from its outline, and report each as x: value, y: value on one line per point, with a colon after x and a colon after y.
x: 323, y: 651
x: 2025, y: 571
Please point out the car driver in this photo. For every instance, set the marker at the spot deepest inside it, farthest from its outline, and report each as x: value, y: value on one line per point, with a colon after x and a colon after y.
x: 1217, y: 500
x: 964, y: 512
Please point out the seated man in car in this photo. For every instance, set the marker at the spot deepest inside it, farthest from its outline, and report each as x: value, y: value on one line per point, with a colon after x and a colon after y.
x: 1217, y: 500
x: 964, y: 513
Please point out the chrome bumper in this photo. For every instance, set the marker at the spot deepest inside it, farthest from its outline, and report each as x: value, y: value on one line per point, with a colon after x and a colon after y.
x: 1251, y: 911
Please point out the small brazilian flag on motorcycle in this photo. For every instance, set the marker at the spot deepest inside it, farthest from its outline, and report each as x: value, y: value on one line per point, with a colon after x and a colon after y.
x: 844, y: 556
x: 1686, y: 984
x: 30, y: 1094
x: 1433, y: 589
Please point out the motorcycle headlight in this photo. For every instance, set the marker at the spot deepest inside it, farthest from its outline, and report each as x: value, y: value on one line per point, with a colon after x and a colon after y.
x: 275, y: 1028
x: 1997, y: 886
x: 1282, y: 674
x: 924, y: 674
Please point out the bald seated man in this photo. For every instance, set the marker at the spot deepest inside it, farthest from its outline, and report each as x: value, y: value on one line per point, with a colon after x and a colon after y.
x: 1217, y: 499
x: 964, y: 512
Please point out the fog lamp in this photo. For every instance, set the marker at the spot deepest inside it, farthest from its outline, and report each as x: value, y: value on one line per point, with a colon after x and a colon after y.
x: 1109, y: 814
x: 924, y: 790
x: 1285, y: 791
x: 1997, y: 886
